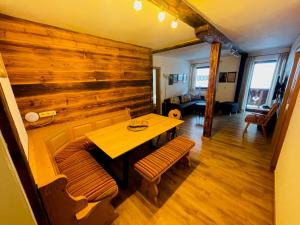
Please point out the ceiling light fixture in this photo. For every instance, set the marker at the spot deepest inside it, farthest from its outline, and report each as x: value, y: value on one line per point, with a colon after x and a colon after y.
x: 174, y: 24
x: 137, y: 5
x: 161, y: 16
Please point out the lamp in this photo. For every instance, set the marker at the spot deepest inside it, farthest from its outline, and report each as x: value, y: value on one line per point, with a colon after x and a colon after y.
x: 174, y: 24
x: 137, y: 5
x: 161, y: 16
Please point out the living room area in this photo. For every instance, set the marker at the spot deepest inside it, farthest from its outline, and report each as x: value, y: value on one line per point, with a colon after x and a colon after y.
x: 184, y: 79
x: 240, y: 89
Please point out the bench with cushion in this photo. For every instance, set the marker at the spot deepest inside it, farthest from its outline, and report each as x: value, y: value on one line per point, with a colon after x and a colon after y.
x: 155, y: 164
x: 74, y: 187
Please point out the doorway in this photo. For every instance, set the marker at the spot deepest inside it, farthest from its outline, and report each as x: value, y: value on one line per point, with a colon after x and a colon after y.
x: 156, y: 99
x: 262, y: 84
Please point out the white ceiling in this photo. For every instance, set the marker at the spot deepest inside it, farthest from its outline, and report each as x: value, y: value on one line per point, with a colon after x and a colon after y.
x: 253, y: 25
x: 113, y: 19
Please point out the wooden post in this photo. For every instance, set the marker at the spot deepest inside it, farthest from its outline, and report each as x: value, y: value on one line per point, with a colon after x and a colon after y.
x: 210, y: 97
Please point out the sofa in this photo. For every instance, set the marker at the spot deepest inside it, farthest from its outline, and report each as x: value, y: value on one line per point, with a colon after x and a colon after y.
x: 184, y: 103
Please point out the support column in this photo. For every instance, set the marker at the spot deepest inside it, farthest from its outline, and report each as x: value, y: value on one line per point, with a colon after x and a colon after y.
x: 211, y: 91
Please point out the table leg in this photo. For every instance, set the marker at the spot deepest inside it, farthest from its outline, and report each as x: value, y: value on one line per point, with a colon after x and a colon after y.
x: 124, y: 182
x: 173, y: 133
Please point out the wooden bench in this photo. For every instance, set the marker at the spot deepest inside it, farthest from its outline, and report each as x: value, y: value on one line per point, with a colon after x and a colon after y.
x: 155, y: 164
x: 74, y: 187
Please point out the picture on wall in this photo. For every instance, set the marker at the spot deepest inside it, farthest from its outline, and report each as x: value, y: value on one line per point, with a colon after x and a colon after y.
x: 223, y: 77
x: 231, y: 76
x: 180, y: 77
x: 175, y: 78
x: 184, y: 78
x: 171, y: 79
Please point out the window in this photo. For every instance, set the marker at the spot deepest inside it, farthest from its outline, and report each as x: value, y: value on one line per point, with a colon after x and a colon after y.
x: 202, y: 74
x: 263, y: 74
x: 261, y: 83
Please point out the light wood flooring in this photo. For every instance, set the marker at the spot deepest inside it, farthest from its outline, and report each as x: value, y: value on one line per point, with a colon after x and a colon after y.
x: 229, y: 181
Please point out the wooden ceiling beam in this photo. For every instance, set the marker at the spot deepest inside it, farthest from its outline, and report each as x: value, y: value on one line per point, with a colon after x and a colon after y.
x: 204, y: 30
x: 210, y: 34
x: 181, y: 45
x: 181, y: 10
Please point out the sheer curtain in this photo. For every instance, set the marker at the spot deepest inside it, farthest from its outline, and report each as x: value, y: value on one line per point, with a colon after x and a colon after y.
x: 192, y: 81
x: 278, y: 74
x: 281, y: 64
x: 248, y: 72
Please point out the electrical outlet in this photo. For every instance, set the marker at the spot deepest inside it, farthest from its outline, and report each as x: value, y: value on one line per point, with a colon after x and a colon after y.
x: 47, y: 113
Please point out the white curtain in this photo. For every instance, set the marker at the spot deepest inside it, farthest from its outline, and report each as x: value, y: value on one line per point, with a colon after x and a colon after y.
x: 248, y: 72
x: 281, y: 64
x: 278, y: 74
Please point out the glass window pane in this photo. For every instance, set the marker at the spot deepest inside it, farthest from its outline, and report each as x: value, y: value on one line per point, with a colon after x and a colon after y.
x: 263, y: 75
x: 202, y: 77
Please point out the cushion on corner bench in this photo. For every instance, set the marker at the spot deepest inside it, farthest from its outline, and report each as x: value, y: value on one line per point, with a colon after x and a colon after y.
x: 73, y: 147
x: 86, y: 177
x: 160, y: 160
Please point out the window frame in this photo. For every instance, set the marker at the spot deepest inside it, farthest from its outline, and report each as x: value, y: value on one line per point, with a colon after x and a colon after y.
x: 201, y: 67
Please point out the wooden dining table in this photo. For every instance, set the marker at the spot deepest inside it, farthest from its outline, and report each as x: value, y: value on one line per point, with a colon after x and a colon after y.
x: 117, y: 140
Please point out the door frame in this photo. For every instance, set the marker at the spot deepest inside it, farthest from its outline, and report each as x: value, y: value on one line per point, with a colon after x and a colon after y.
x: 158, y: 89
x: 286, y: 110
x: 19, y: 159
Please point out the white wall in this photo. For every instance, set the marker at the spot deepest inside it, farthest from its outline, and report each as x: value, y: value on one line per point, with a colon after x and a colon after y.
x: 14, y: 207
x: 168, y: 66
x: 225, y: 91
x: 287, y: 175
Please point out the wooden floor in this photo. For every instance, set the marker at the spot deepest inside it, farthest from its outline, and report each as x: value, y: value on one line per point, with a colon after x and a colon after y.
x: 229, y: 182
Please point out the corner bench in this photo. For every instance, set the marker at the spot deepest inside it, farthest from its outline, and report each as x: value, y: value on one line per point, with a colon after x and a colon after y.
x: 158, y: 162
x: 86, y: 177
x: 74, y: 187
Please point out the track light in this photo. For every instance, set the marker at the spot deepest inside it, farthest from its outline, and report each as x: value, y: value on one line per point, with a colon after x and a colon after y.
x: 174, y: 24
x: 161, y: 16
x: 137, y: 5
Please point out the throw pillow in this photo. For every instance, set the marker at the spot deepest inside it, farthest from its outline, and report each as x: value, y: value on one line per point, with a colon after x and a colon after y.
x: 175, y: 100
x: 185, y: 98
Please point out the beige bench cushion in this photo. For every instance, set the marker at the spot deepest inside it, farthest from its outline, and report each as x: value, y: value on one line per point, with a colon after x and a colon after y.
x: 160, y: 160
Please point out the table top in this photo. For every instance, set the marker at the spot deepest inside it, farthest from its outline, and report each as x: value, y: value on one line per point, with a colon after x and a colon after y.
x: 116, y: 140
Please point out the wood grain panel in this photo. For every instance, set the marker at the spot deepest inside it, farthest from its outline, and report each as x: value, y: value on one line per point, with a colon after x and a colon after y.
x: 78, y: 75
x: 211, y: 91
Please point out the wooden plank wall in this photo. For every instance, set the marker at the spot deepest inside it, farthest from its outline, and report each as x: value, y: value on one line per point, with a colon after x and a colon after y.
x: 78, y: 75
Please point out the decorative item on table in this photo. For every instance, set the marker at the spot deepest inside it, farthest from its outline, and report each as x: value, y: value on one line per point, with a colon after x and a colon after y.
x: 223, y: 77
x: 231, y: 76
x: 137, y: 125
